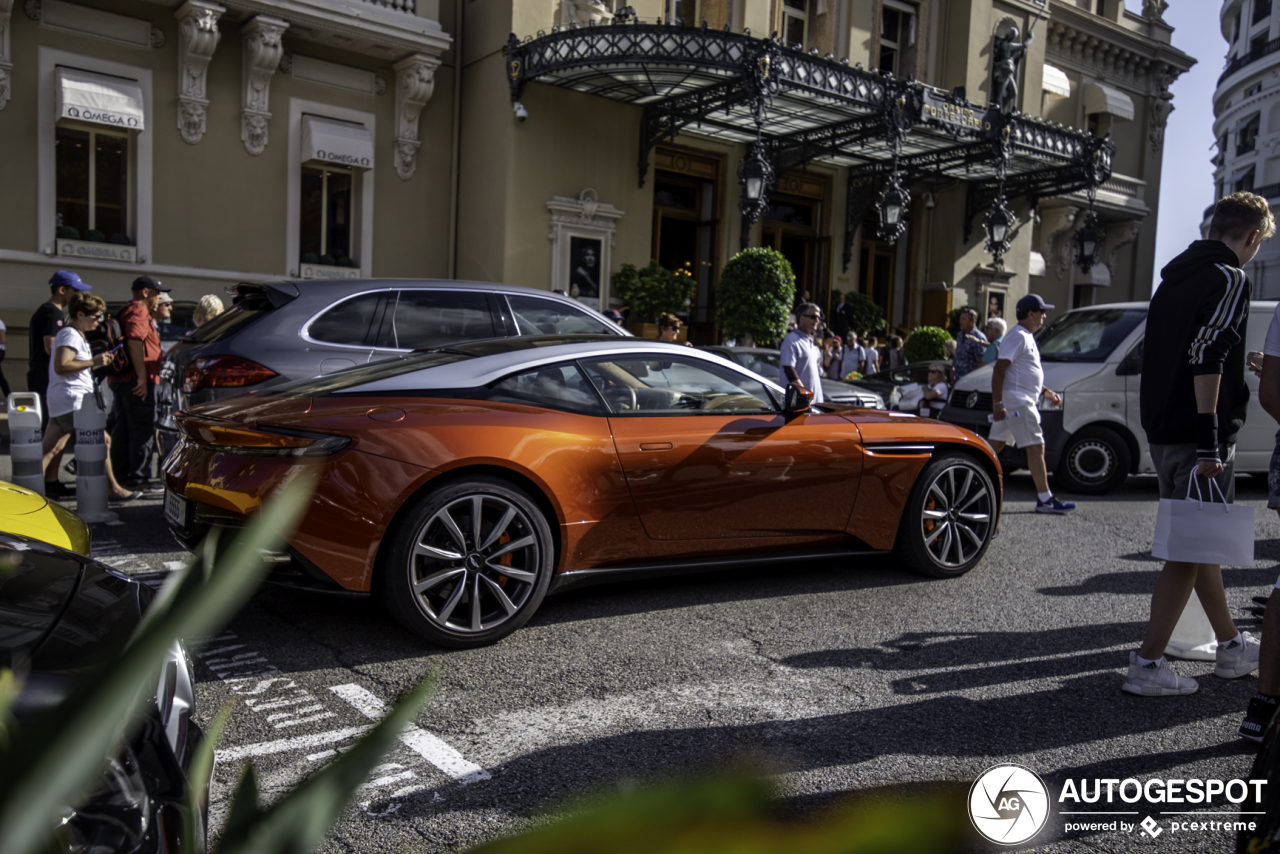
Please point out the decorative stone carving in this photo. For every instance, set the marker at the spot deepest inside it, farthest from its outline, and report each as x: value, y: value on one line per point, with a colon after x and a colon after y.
x: 584, y: 12
x: 1121, y: 235
x: 1153, y: 10
x: 157, y: 38
x: 379, y: 85
x: 261, y: 51
x: 198, y: 38
x: 33, y: 9
x: 1055, y: 223
x: 6, y: 57
x: 286, y: 63
x: 1161, y: 106
x: 415, y: 83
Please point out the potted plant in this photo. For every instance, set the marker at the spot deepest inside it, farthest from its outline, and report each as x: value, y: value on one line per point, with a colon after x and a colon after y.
x: 754, y: 296
x: 652, y: 291
x: 924, y: 344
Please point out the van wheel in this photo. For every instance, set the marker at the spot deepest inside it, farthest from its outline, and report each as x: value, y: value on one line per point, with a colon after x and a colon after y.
x: 1095, y: 462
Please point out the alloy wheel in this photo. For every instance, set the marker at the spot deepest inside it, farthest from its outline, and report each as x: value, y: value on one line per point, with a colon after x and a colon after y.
x: 474, y: 563
x: 957, y: 517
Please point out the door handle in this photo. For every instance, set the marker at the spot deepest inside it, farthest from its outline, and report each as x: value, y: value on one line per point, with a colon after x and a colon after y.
x: 655, y: 446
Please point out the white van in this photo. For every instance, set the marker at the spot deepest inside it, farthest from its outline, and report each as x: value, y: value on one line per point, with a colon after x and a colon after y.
x: 1093, y: 357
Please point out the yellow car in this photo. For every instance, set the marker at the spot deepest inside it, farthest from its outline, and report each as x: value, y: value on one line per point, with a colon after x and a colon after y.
x: 28, y: 513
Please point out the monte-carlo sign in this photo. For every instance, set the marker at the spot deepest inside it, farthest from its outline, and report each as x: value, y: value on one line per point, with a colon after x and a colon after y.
x: 939, y: 110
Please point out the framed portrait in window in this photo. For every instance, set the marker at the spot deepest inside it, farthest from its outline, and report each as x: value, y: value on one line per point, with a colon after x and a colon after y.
x: 996, y: 304
x: 584, y: 267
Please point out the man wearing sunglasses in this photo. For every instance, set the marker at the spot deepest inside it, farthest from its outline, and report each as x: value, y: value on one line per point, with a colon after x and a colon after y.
x: 801, y: 359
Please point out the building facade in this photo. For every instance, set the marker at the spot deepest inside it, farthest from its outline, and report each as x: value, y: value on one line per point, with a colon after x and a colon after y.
x: 1246, y: 123
x: 212, y: 143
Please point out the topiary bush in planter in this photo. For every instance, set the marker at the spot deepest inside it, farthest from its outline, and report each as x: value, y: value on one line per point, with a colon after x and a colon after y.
x: 924, y: 344
x: 864, y: 315
x: 754, y: 296
x: 653, y: 290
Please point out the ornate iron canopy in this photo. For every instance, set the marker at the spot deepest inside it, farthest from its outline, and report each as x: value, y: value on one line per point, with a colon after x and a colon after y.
x: 802, y: 107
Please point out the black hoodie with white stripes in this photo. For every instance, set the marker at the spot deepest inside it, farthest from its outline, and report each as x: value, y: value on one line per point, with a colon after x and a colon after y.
x: 1196, y: 326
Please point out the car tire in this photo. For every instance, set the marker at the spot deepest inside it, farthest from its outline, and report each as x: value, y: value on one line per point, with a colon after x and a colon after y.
x: 463, y: 585
x: 949, y: 519
x: 1096, y: 461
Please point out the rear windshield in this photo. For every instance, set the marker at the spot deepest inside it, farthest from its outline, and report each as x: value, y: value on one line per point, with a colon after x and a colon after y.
x: 230, y: 321
x: 351, y: 377
x: 1088, y: 335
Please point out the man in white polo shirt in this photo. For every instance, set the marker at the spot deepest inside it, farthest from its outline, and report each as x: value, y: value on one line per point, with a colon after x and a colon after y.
x: 1016, y: 384
x: 801, y: 361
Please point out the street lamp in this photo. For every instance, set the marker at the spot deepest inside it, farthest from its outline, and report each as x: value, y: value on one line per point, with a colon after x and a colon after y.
x: 998, y: 224
x: 1088, y: 242
x: 893, y: 204
x: 755, y: 174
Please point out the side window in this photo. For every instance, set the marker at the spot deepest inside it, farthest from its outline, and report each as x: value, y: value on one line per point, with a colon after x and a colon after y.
x: 553, y: 386
x: 675, y: 386
x: 430, y: 318
x: 346, y: 322
x: 536, y: 316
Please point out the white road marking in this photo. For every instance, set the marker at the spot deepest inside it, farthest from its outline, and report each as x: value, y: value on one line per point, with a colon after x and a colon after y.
x: 421, y: 742
x: 284, y: 745
x: 174, y: 565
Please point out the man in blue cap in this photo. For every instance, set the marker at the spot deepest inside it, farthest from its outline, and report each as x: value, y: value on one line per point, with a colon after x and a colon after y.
x: 45, y: 323
x: 1016, y: 385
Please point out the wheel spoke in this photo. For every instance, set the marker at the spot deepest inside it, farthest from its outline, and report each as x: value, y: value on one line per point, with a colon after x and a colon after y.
x: 452, y: 527
x: 964, y: 488
x: 965, y: 529
x: 982, y: 493
x: 475, y: 604
x: 442, y: 616
x: 500, y: 595
x: 975, y: 517
x: 511, y: 572
x: 477, y: 514
x: 935, y: 514
x: 946, y: 503
x: 928, y: 541
x: 422, y: 549
x: 959, y: 548
x: 436, y: 579
x: 498, y: 529
x: 512, y: 546
x: 951, y: 478
x: 946, y: 545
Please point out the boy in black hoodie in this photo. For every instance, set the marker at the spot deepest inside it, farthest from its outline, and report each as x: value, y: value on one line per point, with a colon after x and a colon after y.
x: 1193, y: 404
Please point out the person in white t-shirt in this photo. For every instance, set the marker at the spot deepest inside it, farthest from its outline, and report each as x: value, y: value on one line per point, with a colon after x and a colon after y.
x: 1016, y: 385
x: 71, y: 367
x: 853, y: 357
x: 801, y: 361
x: 935, y: 393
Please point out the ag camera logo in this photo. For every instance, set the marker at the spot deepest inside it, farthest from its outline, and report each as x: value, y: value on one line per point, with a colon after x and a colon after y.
x: 1008, y: 804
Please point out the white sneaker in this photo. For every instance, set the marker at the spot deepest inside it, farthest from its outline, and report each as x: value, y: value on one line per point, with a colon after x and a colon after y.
x: 1157, y: 679
x: 1237, y: 659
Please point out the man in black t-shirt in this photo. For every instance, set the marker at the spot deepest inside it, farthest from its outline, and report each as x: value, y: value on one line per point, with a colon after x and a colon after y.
x: 45, y: 323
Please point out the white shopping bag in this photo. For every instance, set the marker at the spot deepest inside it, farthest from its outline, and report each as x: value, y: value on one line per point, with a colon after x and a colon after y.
x: 1199, y: 531
x: 1193, y: 637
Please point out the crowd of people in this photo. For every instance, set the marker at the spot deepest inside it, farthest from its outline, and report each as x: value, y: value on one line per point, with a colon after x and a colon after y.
x: 74, y: 347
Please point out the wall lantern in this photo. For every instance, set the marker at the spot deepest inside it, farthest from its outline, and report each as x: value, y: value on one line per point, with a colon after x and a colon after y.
x: 1088, y: 240
x: 893, y: 204
x: 755, y: 175
x: 999, y: 227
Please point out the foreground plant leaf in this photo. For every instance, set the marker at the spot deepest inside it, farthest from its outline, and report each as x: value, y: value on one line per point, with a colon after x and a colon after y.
x: 59, y: 755
x: 737, y: 816
x: 299, y: 821
x: 201, y: 766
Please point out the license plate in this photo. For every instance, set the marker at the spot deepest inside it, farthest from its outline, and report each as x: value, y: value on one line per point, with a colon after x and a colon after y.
x: 175, y: 509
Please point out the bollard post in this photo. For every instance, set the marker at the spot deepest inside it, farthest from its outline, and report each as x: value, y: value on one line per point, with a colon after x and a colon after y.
x: 91, y: 463
x: 25, y: 412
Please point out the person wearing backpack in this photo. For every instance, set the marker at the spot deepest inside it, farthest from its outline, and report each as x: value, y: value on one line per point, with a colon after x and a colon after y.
x: 133, y: 434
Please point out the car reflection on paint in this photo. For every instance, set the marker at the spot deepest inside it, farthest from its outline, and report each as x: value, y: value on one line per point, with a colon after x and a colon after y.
x: 463, y: 484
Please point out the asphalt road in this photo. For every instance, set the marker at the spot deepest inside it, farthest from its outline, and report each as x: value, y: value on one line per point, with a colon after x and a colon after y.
x: 839, y: 677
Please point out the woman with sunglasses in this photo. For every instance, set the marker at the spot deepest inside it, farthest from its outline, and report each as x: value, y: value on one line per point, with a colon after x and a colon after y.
x: 669, y: 329
x: 935, y: 394
x: 71, y: 382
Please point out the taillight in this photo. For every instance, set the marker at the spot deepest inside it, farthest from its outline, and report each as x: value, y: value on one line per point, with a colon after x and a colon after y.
x: 268, y: 441
x: 223, y: 372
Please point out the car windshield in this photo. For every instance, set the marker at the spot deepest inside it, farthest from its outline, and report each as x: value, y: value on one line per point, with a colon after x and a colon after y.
x: 766, y: 363
x: 1087, y: 335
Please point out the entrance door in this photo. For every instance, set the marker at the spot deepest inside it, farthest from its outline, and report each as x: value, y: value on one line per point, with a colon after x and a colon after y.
x: 876, y: 267
x: 685, y: 228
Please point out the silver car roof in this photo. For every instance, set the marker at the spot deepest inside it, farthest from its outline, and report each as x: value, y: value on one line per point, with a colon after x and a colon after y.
x: 482, y: 370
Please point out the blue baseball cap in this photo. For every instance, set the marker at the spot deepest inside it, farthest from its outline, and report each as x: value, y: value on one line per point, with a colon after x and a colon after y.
x: 1031, y: 302
x: 68, y: 279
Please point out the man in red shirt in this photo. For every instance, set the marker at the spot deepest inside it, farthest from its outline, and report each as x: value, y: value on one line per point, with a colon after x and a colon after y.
x: 133, y: 437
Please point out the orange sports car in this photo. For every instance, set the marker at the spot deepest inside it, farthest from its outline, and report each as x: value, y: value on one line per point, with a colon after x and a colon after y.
x: 464, y: 484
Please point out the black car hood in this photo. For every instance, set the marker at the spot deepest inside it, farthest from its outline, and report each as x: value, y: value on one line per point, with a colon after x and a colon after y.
x: 61, y: 614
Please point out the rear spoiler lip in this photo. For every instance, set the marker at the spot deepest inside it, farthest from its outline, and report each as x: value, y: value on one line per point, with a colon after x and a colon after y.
x: 280, y: 293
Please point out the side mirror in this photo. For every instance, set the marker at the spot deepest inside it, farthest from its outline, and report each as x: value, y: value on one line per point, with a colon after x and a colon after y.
x: 797, y: 400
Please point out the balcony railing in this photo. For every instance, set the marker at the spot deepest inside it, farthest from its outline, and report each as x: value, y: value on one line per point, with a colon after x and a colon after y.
x: 1249, y: 58
x: 410, y: 6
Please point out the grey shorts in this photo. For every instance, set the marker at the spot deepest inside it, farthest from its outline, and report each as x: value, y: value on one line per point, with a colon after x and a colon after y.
x: 67, y: 423
x: 1175, y: 463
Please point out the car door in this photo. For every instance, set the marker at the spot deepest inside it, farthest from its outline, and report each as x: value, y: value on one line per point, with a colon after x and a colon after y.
x: 420, y: 318
x: 707, y: 454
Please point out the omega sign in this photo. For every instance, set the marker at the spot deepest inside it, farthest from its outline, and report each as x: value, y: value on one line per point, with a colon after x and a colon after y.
x: 339, y: 157
x: 101, y: 117
x: 944, y: 112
